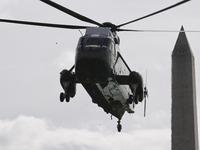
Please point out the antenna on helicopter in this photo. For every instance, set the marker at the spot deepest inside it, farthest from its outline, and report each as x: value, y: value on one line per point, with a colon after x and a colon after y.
x: 145, y: 94
x: 80, y: 32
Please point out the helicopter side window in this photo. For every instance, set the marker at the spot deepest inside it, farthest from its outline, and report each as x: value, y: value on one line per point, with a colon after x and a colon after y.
x: 105, y: 42
x: 79, y: 42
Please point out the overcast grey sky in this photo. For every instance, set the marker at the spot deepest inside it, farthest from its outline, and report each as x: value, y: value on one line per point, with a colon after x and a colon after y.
x: 31, y: 116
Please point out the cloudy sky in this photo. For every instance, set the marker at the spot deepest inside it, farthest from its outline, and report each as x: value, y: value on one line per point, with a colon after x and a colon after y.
x: 31, y: 116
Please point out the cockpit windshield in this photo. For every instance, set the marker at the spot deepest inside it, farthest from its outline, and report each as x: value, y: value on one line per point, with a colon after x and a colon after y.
x: 95, y: 42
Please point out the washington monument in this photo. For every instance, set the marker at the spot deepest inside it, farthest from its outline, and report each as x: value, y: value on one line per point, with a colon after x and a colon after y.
x: 184, y: 109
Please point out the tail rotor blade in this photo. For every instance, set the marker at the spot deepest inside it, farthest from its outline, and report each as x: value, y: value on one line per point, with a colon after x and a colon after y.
x: 145, y: 94
x: 145, y: 103
x: 145, y: 100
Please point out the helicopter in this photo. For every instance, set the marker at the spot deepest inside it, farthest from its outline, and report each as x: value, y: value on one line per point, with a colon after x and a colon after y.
x: 99, y: 65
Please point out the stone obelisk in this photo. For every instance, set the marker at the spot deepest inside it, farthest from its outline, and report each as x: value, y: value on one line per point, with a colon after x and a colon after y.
x: 184, y: 109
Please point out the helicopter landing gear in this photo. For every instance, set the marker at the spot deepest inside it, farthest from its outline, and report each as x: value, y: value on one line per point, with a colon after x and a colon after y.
x: 67, y: 81
x: 119, y: 126
x: 64, y: 96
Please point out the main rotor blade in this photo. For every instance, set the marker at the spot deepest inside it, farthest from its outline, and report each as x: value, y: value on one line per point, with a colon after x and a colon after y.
x: 156, y: 30
x: 71, y: 13
x: 172, y: 6
x: 44, y: 24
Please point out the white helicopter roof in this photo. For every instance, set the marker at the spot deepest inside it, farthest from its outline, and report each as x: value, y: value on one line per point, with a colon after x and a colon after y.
x: 98, y: 31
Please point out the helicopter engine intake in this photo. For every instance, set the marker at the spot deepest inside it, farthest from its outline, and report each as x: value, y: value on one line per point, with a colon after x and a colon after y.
x: 136, y: 85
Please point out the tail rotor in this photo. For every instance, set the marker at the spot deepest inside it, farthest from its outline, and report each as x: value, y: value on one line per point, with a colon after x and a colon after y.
x: 145, y: 94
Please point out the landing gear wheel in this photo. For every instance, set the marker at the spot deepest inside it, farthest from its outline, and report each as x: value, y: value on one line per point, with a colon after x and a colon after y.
x: 130, y: 99
x: 62, y: 97
x: 136, y: 100
x: 67, y: 98
x: 119, y: 126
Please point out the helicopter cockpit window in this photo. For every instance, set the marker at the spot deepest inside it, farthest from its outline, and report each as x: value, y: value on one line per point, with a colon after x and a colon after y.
x: 95, y: 42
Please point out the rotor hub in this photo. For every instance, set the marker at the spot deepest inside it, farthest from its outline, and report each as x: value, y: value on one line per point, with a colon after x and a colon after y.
x: 110, y: 25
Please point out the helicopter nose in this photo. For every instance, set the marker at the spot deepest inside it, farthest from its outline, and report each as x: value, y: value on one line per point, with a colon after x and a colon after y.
x: 91, y: 70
